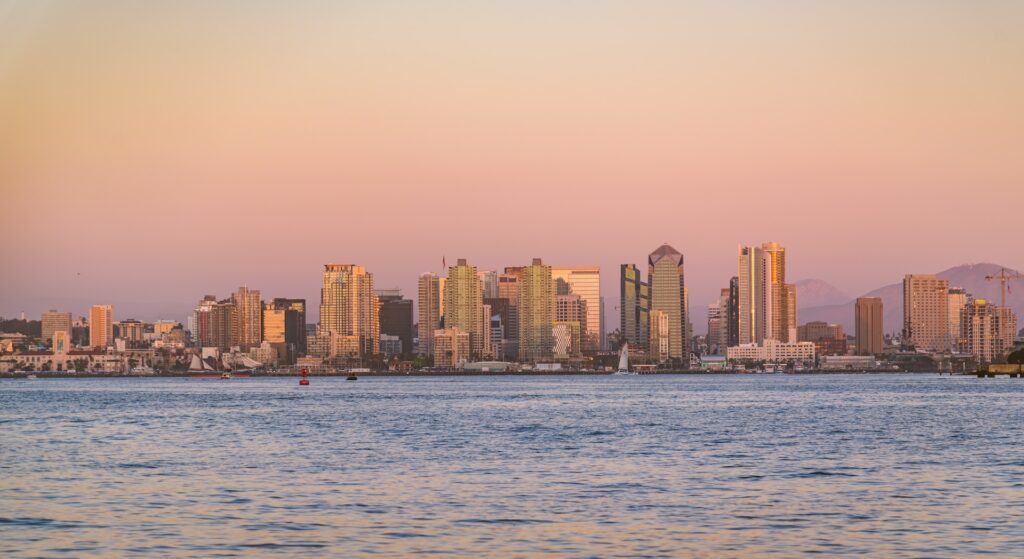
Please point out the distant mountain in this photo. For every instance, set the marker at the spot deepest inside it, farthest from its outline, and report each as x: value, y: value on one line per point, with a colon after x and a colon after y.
x: 968, y: 276
x: 818, y: 293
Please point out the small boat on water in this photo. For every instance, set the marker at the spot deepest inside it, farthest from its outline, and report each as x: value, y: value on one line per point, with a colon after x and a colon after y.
x: 31, y: 377
x: 624, y: 362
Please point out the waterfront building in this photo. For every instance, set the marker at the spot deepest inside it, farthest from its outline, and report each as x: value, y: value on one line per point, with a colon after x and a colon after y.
x: 395, y: 319
x: 52, y: 322
x: 772, y: 351
x: 666, y: 278
x: 765, y: 312
x: 214, y: 323
x: 391, y: 345
x: 536, y: 312
x: 248, y: 309
x: 869, y: 331
x: 585, y: 282
x: 634, y: 307
x: 847, y: 363
x: 508, y: 289
x: 348, y: 306
x: 713, y: 339
x: 660, y: 341
x: 956, y: 299
x: 926, y: 313
x: 101, y: 326
x: 284, y: 327
x: 501, y: 343
x: 429, y: 312
x: 463, y: 301
x: 61, y: 341
x: 566, y: 339
x: 129, y: 330
x: 791, y: 318
x: 828, y: 339
x: 987, y: 331
x: 451, y: 348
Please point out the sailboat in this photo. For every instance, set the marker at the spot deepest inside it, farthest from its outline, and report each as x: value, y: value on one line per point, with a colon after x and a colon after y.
x: 624, y: 362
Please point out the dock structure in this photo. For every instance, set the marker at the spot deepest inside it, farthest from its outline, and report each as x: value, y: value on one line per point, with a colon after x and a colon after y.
x: 992, y: 371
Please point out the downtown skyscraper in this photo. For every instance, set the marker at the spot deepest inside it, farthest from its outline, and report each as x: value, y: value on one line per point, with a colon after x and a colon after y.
x: 536, y: 312
x: 666, y: 278
x: 348, y: 308
x: 585, y: 282
x: 463, y: 305
x: 428, y: 311
x: 926, y: 313
x: 767, y: 304
x: 634, y: 307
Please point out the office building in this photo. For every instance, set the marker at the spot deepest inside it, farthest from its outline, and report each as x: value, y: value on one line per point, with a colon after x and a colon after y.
x: 536, y: 312
x: 463, y: 300
x: 713, y: 339
x: 926, y: 313
x: 52, y: 322
x: 986, y: 330
x: 828, y: 339
x: 666, y: 278
x: 348, y: 306
x: 869, y: 328
x: 765, y: 311
x: 429, y: 312
x: 248, y: 311
x: 396, y: 319
x: 956, y: 299
x: 451, y: 348
x: 634, y: 307
x: 101, y: 326
x: 585, y: 282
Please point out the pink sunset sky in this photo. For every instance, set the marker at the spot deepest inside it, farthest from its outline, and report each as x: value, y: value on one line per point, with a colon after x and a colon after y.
x: 154, y: 152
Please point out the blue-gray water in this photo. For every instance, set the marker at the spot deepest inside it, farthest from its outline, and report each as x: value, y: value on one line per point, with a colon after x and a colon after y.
x: 744, y: 466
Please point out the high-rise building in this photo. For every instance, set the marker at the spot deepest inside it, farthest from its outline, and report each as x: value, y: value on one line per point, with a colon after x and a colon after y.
x: 586, y: 283
x: 101, y: 325
x: 500, y: 311
x: 661, y: 338
x: 52, y: 322
x: 764, y: 308
x: 348, y: 306
x: 956, y: 299
x: 214, y: 323
x: 565, y: 339
x: 536, y: 312
x: 666, y: 278
x: 284, y: 327
x: 508, y: 289
x: 396, y: 318
x: 489, y: 283
x: 451, y: 348
x: 635, y: 306
x: 463, y: 300
x: 926, y: 313
x: 429, y: 311
x: 987, y: 331
x: 733, y: 326
x: 868, y: 318
x: 248, y: 311
x: 791, y: 319
x: 713, y: 339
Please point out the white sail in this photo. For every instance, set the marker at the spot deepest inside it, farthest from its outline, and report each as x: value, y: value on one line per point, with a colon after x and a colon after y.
x: 196, y: 364
x: 624, y: 359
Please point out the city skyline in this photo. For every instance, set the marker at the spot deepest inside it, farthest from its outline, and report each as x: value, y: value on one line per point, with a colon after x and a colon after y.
x: 854, y: 134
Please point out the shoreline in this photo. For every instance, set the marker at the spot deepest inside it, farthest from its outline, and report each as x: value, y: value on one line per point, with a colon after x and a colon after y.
x: 83, y: 375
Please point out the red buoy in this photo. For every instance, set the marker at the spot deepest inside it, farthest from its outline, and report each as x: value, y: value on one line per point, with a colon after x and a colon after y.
x: 304, y: 380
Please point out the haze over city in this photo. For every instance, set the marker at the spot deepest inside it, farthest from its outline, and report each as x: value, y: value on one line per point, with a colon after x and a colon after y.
x: 153, y: 153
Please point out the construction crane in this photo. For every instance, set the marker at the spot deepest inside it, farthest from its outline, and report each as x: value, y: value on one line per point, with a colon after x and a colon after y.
x: 1005, y: 276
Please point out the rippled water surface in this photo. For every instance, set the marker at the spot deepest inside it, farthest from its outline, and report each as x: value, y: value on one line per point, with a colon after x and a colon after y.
x: 743, y: 466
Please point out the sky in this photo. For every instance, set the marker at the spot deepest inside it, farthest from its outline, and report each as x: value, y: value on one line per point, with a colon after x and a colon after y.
x: 155, y: 152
